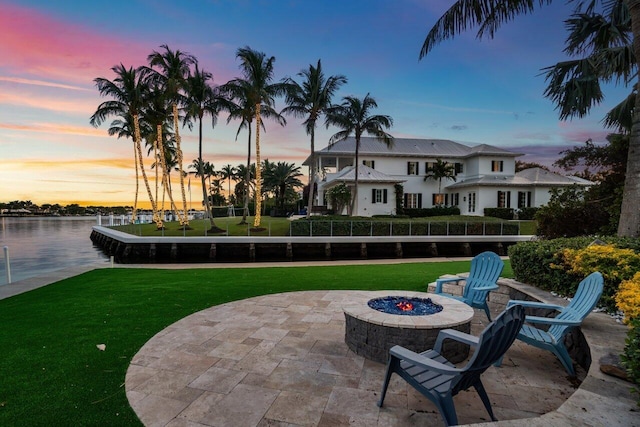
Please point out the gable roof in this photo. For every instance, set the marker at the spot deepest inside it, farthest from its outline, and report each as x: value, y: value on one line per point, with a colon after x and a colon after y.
x: 526, y: 178
x: 409, y: 147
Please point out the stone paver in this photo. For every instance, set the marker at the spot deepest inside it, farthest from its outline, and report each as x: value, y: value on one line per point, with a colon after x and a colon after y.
x: 251, y: 363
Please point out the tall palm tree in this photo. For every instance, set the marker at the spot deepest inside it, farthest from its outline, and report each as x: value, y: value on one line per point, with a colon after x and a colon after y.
x: 202, y: 99
x: 283, y: 179
x: 439, y: 171
x: 310, y: 100
x: 228, y: 173
x: 353, y: 117
x: 128, y: 90
x: 488, y: 16
x: 257, y: 89
x: 246, y: 179
x: 174, y: 68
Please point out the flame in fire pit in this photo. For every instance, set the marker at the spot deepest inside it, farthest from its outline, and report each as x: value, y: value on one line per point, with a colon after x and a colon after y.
x: 405, y: 306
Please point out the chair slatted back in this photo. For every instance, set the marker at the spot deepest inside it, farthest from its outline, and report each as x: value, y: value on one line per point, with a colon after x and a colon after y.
x: 583, y: 302
x: 494, y: 342
x: 485, y: 271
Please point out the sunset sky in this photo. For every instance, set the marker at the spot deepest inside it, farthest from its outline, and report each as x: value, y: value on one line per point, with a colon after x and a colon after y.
x: 469, y: 91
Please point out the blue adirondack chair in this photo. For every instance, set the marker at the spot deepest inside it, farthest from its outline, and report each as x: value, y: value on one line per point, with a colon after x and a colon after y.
x: 585, y: 300
x: 485, y: 272
x: 439, y: 380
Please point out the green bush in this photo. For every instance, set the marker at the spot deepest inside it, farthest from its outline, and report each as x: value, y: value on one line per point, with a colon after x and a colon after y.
x: 542, y: 264
x: 436, y: 211
x: 527, y: 213
x: 502, y: 213
x: 631, y: 355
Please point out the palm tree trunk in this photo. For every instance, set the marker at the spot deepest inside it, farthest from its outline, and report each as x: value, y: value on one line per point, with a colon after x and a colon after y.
x: 256, y: 221
x: 354, y: 197
x: 135, y: 199
x: 184, y: 221
x: 205, y: 197
x: 245, y: 211
x: 312, y: 173
x: 137, y: 138
x: 629, y: 225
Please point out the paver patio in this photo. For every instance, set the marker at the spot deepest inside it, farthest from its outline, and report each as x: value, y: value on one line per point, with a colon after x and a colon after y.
x: 281, y: 360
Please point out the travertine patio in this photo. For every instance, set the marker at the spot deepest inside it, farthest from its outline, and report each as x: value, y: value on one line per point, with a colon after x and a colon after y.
x: 281, y: 360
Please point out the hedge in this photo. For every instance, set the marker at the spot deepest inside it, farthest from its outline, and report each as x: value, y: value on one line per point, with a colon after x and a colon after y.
x: 436, y: 211
x: 502, y: 213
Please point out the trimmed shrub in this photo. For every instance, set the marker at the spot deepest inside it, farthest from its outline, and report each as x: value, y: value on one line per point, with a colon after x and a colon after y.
x: 631, y: 354
x: 502, y: 213
x: 527, y: 213
x: 628, y: 298
x: 436, y: 211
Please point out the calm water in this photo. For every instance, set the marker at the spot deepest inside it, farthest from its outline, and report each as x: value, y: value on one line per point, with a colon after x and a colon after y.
x: 40, y: 245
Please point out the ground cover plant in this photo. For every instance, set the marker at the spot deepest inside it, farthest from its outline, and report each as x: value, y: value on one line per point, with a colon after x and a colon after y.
x: 53, y: 373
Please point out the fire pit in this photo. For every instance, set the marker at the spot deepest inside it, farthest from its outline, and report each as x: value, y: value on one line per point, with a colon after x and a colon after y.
x: 379, y: 320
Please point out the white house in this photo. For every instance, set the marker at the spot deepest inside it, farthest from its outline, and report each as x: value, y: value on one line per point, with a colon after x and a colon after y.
x: 485, y: 176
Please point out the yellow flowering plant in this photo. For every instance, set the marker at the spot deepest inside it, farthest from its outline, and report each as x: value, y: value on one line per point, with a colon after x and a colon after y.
x: 628, y: 298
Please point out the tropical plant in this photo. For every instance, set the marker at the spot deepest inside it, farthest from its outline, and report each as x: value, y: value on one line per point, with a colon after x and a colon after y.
x: 609, y: 55
x: 353, y: 117
x: 228, y: 173
x: 283, y: 178
x: 257, y: 90
x: 439, y: 171
x: 128, y: 91
x: 310, y: 100
x: 201, y: 99
x: 339, y: 197
x: 174, y: 68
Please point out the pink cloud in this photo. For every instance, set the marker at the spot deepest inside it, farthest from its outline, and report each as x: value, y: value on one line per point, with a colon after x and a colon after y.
x: 40, y: 46
x: 56, y: 129
x: 85, y: 107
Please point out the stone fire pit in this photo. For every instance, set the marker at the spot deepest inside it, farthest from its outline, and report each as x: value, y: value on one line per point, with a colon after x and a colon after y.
x: 371, y: 333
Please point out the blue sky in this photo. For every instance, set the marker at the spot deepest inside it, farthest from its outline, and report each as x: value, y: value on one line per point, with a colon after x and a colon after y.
x: 470, y: 91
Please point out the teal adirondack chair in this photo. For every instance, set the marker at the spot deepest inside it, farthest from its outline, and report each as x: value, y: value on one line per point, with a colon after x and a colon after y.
x: 439, y: 380
x: 485, y: 272
x: 583, y: 302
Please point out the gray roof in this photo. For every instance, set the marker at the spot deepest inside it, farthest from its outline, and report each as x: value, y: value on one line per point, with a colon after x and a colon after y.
x: 526, y: 178
x: 365, y: 175
x: 408, y: 147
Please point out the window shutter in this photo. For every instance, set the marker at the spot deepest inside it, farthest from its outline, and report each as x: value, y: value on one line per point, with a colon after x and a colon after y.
x: 417, y: 168
x: 433, y: 199
x: 384, y: 196
x: 529, y: 199
x: 406, y: 199
x: 373, y: 195
x: 419, y: 200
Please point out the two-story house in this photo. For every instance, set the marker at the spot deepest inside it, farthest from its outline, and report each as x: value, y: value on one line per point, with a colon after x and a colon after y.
x: 485, y: 176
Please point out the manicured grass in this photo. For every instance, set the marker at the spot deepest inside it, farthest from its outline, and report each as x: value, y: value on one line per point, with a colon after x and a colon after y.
x: 274, y: 226
x: 52, y: 372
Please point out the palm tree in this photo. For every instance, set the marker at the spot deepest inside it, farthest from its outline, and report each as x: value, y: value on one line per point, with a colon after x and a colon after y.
x: 310, y: 100
x: 228, y: 173
x: 128, y: 90
x: 439, y: 171
x: 257, y: 94
x: 283, y: 178
x: 488, y: 16
x: 246, y: 177
x: 174, y: 69
x: 203, y: 99
x: 353, y: 117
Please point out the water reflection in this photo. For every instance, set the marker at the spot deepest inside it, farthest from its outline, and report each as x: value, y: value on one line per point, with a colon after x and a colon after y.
x: 40, y: 245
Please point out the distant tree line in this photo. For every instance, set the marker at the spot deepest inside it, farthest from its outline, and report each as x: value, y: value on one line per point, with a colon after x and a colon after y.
x: 55, y: 209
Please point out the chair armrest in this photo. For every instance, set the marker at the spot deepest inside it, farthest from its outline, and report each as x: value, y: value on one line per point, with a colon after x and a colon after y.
x: 486, y: 288
x: 552, y: 321
x: 439, y: 283
x: 422, y: 361
x: 535, y: 304
x: 456, y: 336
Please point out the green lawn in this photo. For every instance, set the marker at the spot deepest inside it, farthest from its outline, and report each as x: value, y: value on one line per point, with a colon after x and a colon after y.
x: 52, y: 372
x: 273, y: 226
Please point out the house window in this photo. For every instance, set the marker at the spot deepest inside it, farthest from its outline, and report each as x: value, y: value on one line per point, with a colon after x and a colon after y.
x: 524, y: 199
x: 472, y: 202
x: 497, y: 166
x: 455, y: 199
x: 369, y: 163
x: 439, y: 199
x: 412, y: 168
x: 413, y: 200
x: 504, y: 199
x: 458, y: 168
x: 379, y: 195
x: 428, y: 166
